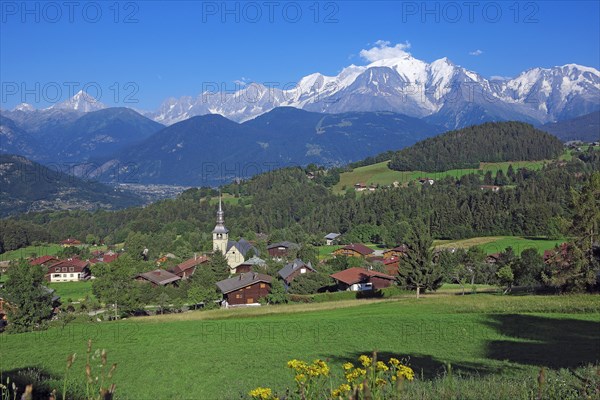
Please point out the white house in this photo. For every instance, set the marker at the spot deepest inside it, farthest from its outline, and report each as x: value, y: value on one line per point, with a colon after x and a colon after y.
x: 68, y: 271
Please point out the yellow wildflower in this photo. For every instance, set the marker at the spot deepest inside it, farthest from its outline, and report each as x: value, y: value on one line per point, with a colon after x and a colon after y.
x: 394, y: 362
x: 343, y: 388
x: 365, y: 361
x: 347, y: 366
x: 261, y: 393
x: 381, y: 366
x: 380, y: 382
x: 405, y: 372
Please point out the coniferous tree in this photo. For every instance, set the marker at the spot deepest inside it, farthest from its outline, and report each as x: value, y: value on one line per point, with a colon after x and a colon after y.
x: 417, y: 270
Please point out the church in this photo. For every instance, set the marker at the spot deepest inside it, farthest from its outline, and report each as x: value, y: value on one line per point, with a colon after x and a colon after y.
x: 234, y: 252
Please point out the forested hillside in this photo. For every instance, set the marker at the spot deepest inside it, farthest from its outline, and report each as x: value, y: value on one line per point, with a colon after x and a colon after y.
x: 288, y: 206
x: 466, y: 148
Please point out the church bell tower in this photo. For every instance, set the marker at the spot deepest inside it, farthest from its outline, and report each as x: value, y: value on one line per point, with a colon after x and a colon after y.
x: 220, y: 233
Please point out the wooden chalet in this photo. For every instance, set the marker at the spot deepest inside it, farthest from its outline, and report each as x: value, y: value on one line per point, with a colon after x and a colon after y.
x: 159, y: 277
x: 396, y: 252
x: 281, y: 249
x: 250, y: 265
x: 188, y: 267
x: 294, y: 269
x: 70, y: 242
x: 360, y: 279
x: 43, y: 260
x: 353, y: 250
x: 245, y: 288
x: 492, y: 258
x: 330, y: 238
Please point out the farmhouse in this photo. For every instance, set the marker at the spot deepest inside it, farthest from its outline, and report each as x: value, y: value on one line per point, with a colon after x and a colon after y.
x: 492, y: 258
x: 282, y: 249
x: 292, y: 270
x: 251, y: 264
x: 396, y: 252
x: 353, y: 250
x: 70, y: 242
x: 359, y: 279
x: 188, y: 267
x: 43, y: 260
x: 330, y: 238
x: 68, y: 270
x: 245, y: 288
x: 492, y: 188
x: 159, y: 277
x: 427, y: 181
x: 107, y: 257
x: 360, y: 187
x: 234, y: 252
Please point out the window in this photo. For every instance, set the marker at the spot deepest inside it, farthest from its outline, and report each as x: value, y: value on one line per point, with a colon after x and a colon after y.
x: 57, y: 269
x: 57, y: 275
x: 262, y: 286
x: 71, y: 275
x: 71, y: 269
x: 238, y: 296
x: 64, y: 269
x: 302, y: 270
x: 248, y: 287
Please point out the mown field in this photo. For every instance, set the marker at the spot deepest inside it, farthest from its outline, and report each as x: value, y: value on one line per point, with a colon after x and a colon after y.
x: 222, y: 354
x: 380, y: 173
x: 74, y: 291
x: 497, y: 244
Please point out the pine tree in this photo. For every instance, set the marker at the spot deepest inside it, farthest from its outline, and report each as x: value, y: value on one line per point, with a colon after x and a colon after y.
x: 417, y: 270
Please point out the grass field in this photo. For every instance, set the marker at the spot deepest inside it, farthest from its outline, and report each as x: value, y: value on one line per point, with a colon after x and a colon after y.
x: 222, y: 354
x: 76, y: 291
x: 497, y: 244
x: 380, y: 173
x: 26, y: 252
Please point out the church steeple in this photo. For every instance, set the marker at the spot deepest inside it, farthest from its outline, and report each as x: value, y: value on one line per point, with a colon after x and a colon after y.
x: 220, y: 233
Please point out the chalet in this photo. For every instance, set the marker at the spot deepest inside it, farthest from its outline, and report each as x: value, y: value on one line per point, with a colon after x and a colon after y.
x: 353, y: 250
x: 558, y: 254
x: 360, y: 279
x: 492, y: 258
x: 159, y: 277
x: 70, y: 242
x: 492, y: 188
x: 396, y: 252
x: 427, y: 181
x: 292, y: 270
x: 188, y: 267
x: 360, y: 187
x: 282, y: 249
x: 391, y: 265
x: 250, y: 265
x: 331, y: 238
x: 372, y: 188
x: 235, y: 252
x: 245, y: 288
x: 107, y: 257
x: 68, y: 270
x: 43, y: 260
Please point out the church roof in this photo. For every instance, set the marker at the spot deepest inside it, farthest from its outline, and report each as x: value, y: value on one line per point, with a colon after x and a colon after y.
x: 243, y: 246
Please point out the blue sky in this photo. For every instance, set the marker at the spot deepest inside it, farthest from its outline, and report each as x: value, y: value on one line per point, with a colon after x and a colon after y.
x: 140, y: 53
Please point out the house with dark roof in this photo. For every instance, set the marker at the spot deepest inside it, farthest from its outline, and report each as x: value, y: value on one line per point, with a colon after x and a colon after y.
x: 254, y: 263
x: 70, y: 242
x: 281, y: 250
x: 187, y: 268
x: 330, y: 238
x: 68, y: 270
x: 360, y: 279
x: 159, y: 277
x: 294, y: 269
x: 245, y: 289
x: 353, y: 250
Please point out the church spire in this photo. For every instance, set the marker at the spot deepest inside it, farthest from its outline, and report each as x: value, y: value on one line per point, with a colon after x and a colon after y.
x: 220, y: 213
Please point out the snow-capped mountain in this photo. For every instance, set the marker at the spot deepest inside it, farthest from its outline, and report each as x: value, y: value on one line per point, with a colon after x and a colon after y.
x: 80, y: 102
x: 441, y: 91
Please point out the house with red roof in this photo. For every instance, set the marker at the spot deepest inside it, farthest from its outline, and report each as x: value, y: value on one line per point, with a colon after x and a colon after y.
x: 70, y: 242
x: 188, y: 267
x: 360, y: 279
x: 43, y: 260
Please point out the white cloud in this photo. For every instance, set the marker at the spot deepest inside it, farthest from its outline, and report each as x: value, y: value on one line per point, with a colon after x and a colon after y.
x: 383, y: 50
x: 500, y: 78
x: 476, y: 53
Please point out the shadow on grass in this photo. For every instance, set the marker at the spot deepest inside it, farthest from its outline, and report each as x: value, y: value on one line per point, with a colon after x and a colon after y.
x: 37, y: 376
x: 549, y: 342
x: 425, y: 366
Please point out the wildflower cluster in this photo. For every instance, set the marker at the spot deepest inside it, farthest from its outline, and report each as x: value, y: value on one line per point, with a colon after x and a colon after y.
x: 261, y: 393
x: 369, y: 378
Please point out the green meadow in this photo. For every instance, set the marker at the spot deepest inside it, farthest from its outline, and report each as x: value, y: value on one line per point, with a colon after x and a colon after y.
x: 381, y: 174
x: 222, y: 354
x: 497, y: 244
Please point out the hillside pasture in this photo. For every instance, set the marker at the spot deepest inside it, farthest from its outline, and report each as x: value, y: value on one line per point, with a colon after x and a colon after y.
x: 381, y: 174
x: 497, y: 244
